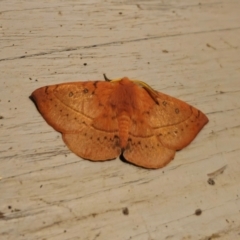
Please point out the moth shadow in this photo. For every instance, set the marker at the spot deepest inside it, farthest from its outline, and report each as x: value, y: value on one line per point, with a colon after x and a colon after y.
x: 32, y: 99
x: 124, y: 160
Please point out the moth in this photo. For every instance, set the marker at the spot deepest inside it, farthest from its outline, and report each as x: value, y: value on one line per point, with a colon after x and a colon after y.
x: 101, y: 120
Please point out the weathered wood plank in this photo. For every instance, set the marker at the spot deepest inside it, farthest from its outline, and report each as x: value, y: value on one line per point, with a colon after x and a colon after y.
x: 187, y: 49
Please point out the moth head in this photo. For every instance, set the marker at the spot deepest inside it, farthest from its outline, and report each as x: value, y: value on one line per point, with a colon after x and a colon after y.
x: 144, y: 85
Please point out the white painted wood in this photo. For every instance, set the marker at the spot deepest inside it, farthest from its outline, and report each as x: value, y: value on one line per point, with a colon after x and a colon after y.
x: 188, y: 49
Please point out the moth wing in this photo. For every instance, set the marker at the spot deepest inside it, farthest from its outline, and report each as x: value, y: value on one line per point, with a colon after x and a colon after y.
x: 81, y: 113
x: 160, y: 128
x: 148, y: 152
x: 175, y: 122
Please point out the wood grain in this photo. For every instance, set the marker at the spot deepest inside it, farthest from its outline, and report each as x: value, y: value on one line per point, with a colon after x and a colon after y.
x: 186, y: 49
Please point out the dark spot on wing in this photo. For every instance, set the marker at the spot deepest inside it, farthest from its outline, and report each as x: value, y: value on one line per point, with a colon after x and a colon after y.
x: 85, y: 90
x: 70, y: 94
x: 147, y: 112
x: 134, y: 121
x: 176, y: 110
x: 113, y: 105
x: 95, y: 84
x: 164, y: 103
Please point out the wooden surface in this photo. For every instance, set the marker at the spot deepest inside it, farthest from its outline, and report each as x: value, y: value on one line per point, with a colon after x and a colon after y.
x: 187, y: 49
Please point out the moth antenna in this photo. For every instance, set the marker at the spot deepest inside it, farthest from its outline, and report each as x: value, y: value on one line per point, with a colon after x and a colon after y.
x: 106, y: 78
x: 150, y: 91
x: 111, y: 80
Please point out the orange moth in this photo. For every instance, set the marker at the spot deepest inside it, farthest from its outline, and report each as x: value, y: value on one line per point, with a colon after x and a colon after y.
x: 100, y: 120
